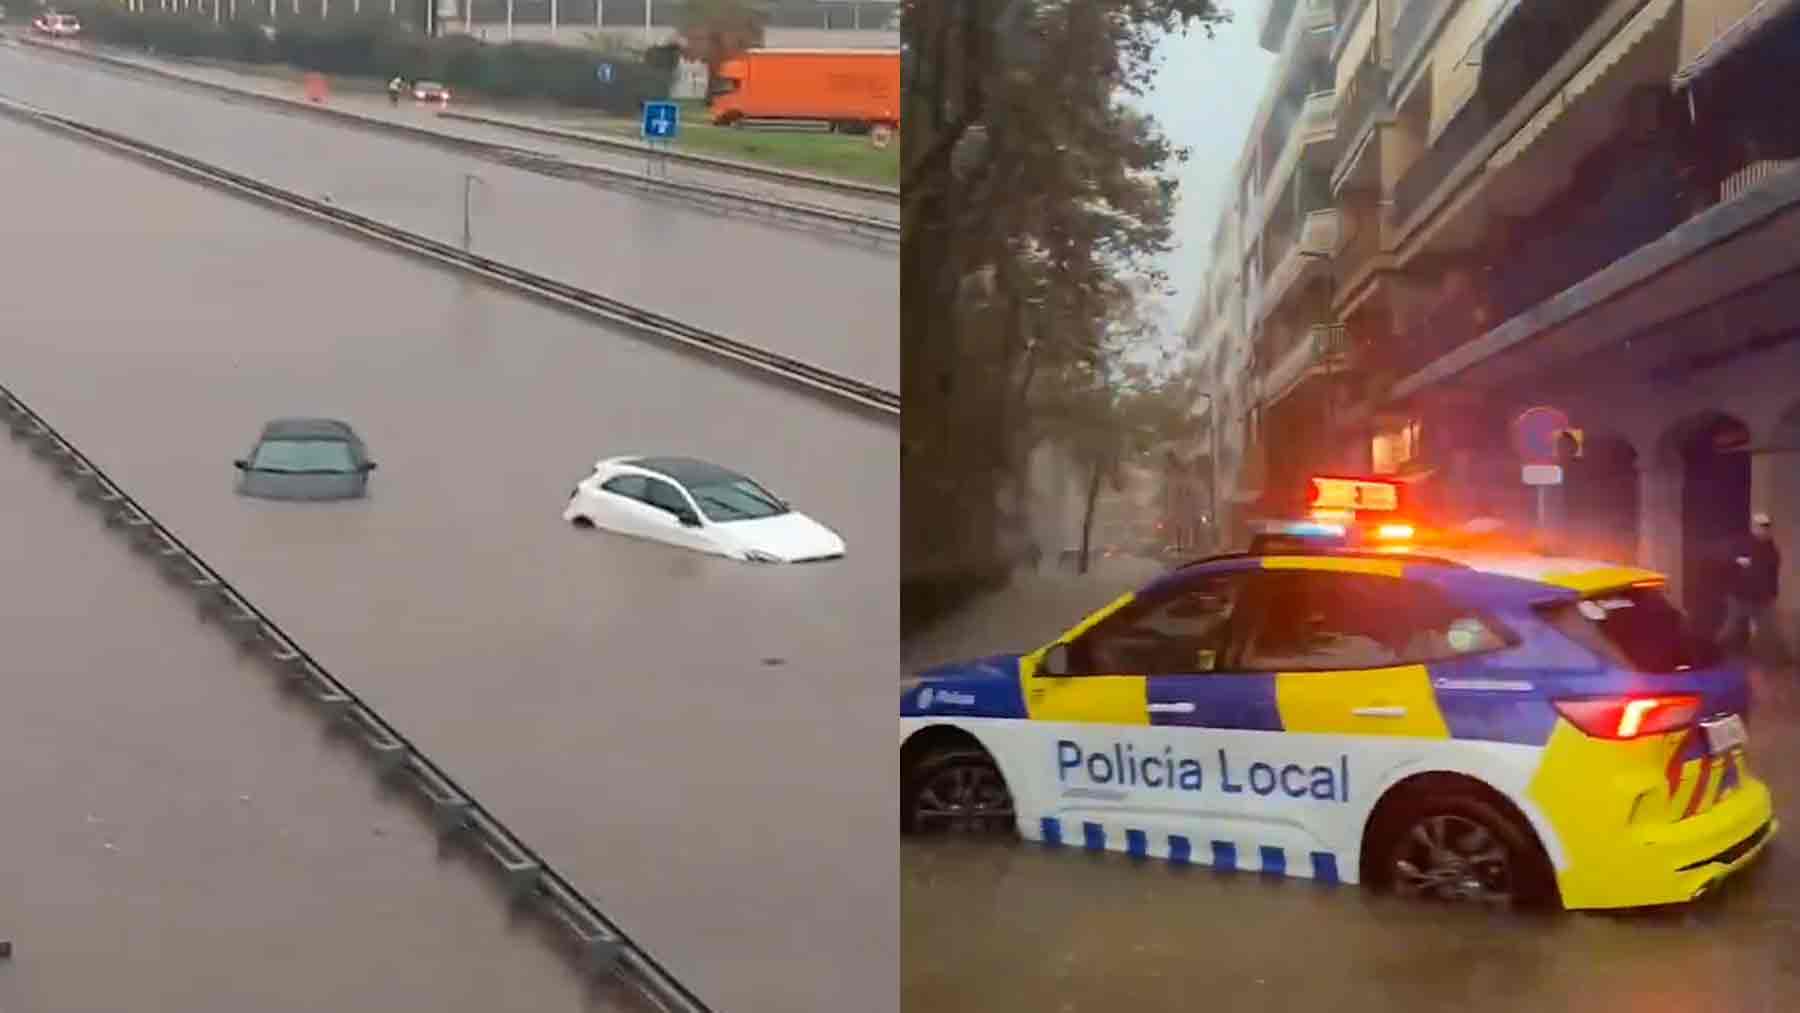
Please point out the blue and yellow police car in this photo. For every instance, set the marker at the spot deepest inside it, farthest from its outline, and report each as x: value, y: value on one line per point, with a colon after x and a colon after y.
x: 1459, y: 723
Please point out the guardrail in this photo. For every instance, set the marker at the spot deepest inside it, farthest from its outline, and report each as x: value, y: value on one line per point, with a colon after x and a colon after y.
x: 787, y: 177
x: 596, y: 943
x: 838, y: 386
x: 815, y: 217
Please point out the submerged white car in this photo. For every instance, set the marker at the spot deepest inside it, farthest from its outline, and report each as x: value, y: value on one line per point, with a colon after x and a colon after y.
x: 698, y: 506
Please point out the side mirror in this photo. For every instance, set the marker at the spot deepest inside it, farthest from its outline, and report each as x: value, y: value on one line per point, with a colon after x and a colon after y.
x: 688, y: 519
x: 1056, y: 660
x: 369, y: 465
x: 241, y: 464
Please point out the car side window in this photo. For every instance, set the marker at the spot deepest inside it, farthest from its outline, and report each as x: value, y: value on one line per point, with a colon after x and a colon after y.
x: 1182, y: 633
x: 1320, y: 620
x: 664, y: 496
x: 633, y: 486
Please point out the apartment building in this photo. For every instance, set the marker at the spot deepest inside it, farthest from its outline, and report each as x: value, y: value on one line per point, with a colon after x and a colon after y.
x: 1454, y: 210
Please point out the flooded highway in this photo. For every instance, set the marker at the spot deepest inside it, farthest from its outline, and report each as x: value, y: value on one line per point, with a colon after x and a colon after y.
x: 685, y: 737
x: 824, y: 300
x: 369, y: 99
x: 181, y: 835
x: 1009, y: 928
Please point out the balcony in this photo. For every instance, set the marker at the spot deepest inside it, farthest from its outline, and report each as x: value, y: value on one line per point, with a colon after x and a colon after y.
x: 1360, y: 109
x: 1323, y: 349
x: 1313, y: 129
x: 1279, y: 16
x: 1415, y: 25
x: 1320, y: 235
x: 1519, y: 52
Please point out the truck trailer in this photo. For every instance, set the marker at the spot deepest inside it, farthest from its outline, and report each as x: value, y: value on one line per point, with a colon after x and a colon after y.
x: 849, y: 90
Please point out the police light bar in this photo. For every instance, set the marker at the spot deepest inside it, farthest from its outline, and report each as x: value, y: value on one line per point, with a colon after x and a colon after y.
x: 1335, y: 493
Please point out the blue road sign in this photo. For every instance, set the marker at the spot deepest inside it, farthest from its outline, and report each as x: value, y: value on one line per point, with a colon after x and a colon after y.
x: 662, y: 121
x: 604, y: 72
x: 1534, y: 433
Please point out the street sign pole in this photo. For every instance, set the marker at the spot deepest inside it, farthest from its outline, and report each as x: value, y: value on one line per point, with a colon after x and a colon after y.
x: 661, y: 125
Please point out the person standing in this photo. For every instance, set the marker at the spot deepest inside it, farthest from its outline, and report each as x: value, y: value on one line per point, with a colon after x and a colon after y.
x: 1755, y: 586
x: 394, y: 88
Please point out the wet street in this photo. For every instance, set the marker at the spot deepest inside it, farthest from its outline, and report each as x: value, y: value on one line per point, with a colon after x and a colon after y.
x: 826, y: 300
x: 652, y: 721
x: 1009, y: 928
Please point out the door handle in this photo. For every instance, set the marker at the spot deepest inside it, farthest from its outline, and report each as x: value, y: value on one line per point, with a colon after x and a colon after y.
x: 1379, y: 712
x: 1172, y: 708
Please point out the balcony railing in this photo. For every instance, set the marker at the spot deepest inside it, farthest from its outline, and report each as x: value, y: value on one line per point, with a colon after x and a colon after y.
x: 1318, y: 237
x: 1518, y: 54
x: 1323, y: 348
x: 1364, y: 100
x: 1318, y: 116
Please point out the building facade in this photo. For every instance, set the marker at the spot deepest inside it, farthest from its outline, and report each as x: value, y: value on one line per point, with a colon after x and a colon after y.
x: 1454, y: 210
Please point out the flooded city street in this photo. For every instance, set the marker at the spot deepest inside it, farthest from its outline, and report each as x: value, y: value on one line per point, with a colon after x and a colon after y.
x: 1007, y: 927
x: 642, y: 716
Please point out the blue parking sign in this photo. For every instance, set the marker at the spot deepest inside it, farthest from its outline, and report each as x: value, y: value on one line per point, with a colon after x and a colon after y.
x: 662, y: 121
x: 604, y: 72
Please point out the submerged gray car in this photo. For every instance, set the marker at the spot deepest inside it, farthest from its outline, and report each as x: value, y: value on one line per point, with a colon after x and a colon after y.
x: 306, y: 459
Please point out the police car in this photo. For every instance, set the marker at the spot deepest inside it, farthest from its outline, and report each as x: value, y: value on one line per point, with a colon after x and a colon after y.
x: 1464, y: 724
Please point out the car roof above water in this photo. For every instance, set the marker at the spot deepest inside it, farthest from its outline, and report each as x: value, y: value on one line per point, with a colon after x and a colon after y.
x: 686, y: 470
x: 308, y: 429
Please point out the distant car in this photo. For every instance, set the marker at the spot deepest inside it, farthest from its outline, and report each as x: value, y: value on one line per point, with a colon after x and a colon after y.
x: 430, y: 91
x: 306, y: 459
x: 63, y: 26
x: 698, y: 506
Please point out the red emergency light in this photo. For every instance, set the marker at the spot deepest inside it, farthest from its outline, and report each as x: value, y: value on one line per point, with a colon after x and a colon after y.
x: 1345, y: 492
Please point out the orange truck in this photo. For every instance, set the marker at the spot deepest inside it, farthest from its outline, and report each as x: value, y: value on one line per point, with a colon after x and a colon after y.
x: 850, y: 90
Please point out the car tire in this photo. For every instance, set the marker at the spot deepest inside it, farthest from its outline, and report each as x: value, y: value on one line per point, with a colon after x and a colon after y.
x: 1472, y: 826
x: 582, y: 521
x: 956, y: 776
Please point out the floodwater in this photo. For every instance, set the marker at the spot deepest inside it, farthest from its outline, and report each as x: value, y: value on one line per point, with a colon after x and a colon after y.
x: 181, y: 835
x: 1014, y: 928
x: 824, y: 300
x: 687, y: 738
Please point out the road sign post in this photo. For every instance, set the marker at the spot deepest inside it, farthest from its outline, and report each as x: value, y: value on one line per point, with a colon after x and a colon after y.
x: 661, y: 125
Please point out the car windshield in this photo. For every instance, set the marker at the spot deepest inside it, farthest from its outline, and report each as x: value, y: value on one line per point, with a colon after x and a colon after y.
x: 737, y: 500
x: 1636, y: 628
x: 303, y: 456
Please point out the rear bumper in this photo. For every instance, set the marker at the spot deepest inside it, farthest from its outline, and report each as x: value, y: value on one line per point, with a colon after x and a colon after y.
x: 1677, y: 862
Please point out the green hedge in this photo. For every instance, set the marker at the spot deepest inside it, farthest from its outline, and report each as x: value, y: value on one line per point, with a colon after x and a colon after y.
x: 378, y: 46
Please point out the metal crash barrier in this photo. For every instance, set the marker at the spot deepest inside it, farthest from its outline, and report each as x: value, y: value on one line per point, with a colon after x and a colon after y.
x: 814, y: 217
x: 840, y: 387
x: 598, y: 946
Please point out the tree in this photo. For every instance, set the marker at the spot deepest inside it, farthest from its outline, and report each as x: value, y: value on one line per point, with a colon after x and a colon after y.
x: 1033, y: 206
x: 714, y: 31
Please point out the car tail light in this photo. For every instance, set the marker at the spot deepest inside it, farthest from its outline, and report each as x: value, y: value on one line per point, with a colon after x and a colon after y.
x: 1630, y: 717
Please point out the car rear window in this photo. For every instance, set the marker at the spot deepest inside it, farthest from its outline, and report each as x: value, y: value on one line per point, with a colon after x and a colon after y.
x: 1634, y: 627
x: 304, y: 456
